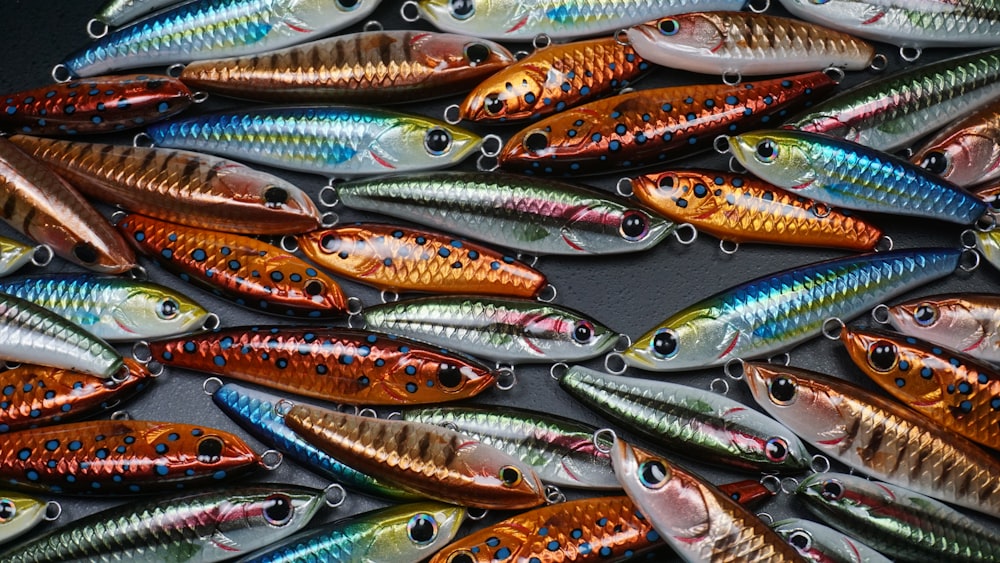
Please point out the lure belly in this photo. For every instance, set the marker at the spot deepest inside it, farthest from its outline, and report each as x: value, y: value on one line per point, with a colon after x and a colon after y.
x: 966, y: 322
x: 967, y: 152
x: 820, y: 544
x: 19, y: 514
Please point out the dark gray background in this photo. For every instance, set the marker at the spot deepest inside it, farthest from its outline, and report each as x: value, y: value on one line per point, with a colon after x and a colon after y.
x: 630, y: 293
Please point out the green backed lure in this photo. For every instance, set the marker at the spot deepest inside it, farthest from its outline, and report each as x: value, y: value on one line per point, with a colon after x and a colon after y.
x: 820, y: 544
x: 15, y: 255
x: 20, y: 513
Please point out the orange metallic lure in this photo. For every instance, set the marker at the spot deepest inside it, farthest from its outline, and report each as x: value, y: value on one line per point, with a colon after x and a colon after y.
x: 395, y: 258
x: 740, y: 208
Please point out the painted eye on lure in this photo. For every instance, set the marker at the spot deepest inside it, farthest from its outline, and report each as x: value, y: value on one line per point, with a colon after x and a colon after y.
x: 210, y: 449
x: 510, y: 476
x: 664, y: 343
x: 8, y: 510
x: 330, y: 244
x: 493, y: 105
x: 634, y: 225
x: 583, y: 332
x: 653, y: 474
x: 278, y: 510
x: 437, y: 142
x: 462, y: 557
x: 536, y: 141
x: 168, y: 309
x: 275, y: 196
x: 422, y: 529
x: 767, y: 151
x: 882, y: 356
x: 348, y: 5
x: 925, y: 314
x: 669, y: 27
x: 935, y: 162
x: 477, y: 53
x: 800, y: 540
x: 462, y: 9
x: 776, y: 450
x: 449, y: 376
x: 832, y: 491
x: 782, y: 391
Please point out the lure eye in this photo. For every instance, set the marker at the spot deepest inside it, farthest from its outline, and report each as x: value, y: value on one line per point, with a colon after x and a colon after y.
x: 422, y: 529
x: 510, y: 476
x: 210, y: 449
x: 275, y: 196
x: 935, y: 162
x: 536, y: 141
x: 85, y: 252
x: 634, y: 225
x: 462, y: 557
x: 925, y: 314
x: 767, y: 151
x: 437, y: 142
x: 8, y: 510
x: 330, y: 243
x: 776, y: 450
x: 493, y: 104
x: 800, y: 540
x: 168, y: 309
x: 477, y: 53
x: 449, y: 376
x: 664, y: 343
x: 782, y: 391
x: 832, y: 490
x: 653, y: 474
x: 278, y: 510
x: 669, y: 26
x: 348, y: 5
x: 882, y: 356
x: 313, y: 288
x: 666, y: 182
x: 462, y: 9
x: 583, y: 332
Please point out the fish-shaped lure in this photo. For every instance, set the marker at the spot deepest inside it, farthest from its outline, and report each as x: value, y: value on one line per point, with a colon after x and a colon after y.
x: 117, y: 12
x: 19, y: 513
x: 967, y: 152
x: 966, y: 322
x: 988, y: 244
x: 15, y: 255
x: 820, y: 544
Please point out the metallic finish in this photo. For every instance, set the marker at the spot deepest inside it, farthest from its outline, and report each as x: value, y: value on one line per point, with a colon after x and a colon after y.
x: 846, y: 174
x: 552, y: 79
x: 104, y: 104
x: 693, y: 422
x: 892, y: 112
x: 700, y: 522
x: 820, y: 544
x: 537, y: 216
x: 371, y: 67
x: 398, y: 534
x: 210, y: 29
x: 501, y: 330
x: 340, y: 141
x: 906, y: 525
x: 111, y: 308
x: 117, y: 12
x: 651, y: 126
x: 20, y: 513
x: 437, y: 462
x: 988, y: 244
x: 190, y: 527
x: 774, y: 313
x: 877, y: 436
x: 967, y: 322
x: 967, y: 152
x: 14, y: 255
x: 179, y: 186
x: 252, y: 273
x: 399, y: 259
x: 740, y: 208
x: 121, y: 457
x: 262, y: 415
x: 332, y: 364
x: 746, y: 44
x: 561, y: 451
x: 46, y: 209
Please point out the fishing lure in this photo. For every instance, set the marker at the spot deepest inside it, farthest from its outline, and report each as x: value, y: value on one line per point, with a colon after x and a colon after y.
x: 648, y: 127
x: 501, y: 330
x: 531, y: 215
x: 117, y: 12
x: 252, y: 273
x: 191, y: 527
x: 557, y: 19
x: 111, y: 308
x: 404, y: 534
x: 846, y: 174
x: 20, y: 513
x: 700, y: 522
x: 891, y: 113
x: 988, y: 244
x: 14, y: 255
x: 877, y: 436
x: 437, y: 462
x: 333, y: 364
x: 398, y: 259
x: 897, y: 521
x: 340, y: 141
x: 693, y: 422
x: 739, y: 208
x: 36, y: 396
x: 182, y: 187
x: 262, y: 414
x: 820, y: 544
x: 966, y: 322
x: 46, y: 209
x: 211, y: 29
x: 774, y: 313
x: 952, y: 389
x: 560, y: 450
x: 122, y: 457
x: 104, y: 104
x: 371, y: 67
x: 551, y: 80
x: 738, y: 44
x: 967, y: 152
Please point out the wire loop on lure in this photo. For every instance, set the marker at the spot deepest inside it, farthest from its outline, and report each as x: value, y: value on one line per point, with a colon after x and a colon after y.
x: 821, y: 210
x: 42, y: 255
x: 785, y: 359
x: 835, y: 73
x: 819, y: 463
x: 506, y: 378
x: 974, y: 262
x: 771, y: 482
x: 728, y: 247
x: 486, y: 150
x: 120, y: 415
x: 986, y: 223
x: 759, y: 9
x: 275, y: 458
x: 141, y: 352
x: 53, y: 510
x: 212, y: 322
x: 388, y: 296
x: 879, y: 63
x: 61, y: 74
x: 450, y: 111
x: 880, y: 314
x: 476, y: 514
x: 289, y: 243
x: 608, y: 367
x: 830, y: 325
x: 686, y: 227
x: 483, y: 160
x: 354, y: 306
x: 368, y: 412
x: 122, y: 375
x: 968, y: 239
x: 621, y: 38
x: 766, y: 518
x: 880, y: 247
x: 338, y: 499
x: 408, y: 5
x: 732, y: 77
x: 142, y: 140
x: 721, y: 144
x: 602, y: 445
x: 211, y: 385
x: 372, y: 25
x: 910, y: 54
x: 547, y: 294
x: 719, y: 386
x: 558, y: 370
x: 329, y: 219
x: 175, y: 70
x: 620, y: 187
x: 623, y: 343
x: 326, y: 192
x: 104, y: 29
x: 789, y: 485
x: 735, y: 167
x: 282, y: 407
x: 553, y: 495
x: 728, y: 369
x: 199, y: 97
x: 541, y: 41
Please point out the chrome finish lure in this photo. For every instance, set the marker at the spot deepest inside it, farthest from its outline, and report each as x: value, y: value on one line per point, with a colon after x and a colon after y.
x: 15, y: 255
x: 399, y: 534
x: 967, y: 322
x: 182, y: 187
x: 891, y: 113
x: 117, y: 12
x: 339, y: 141
x: 20, y: 513
x: 877, y: 436
x: 371, y: 67
x: 820, y: 544
x: 896, y: 521
x: 693, y: 422
x: 849, y: 175
x: 561, y: 451
x: 434, y: 461
x: 967, y: 152
x: 210, y: 29
x: 774, y: 313
x: 531, y: 215
x: 262, y: 415
x: 501, y: 330
x: 191, y: 527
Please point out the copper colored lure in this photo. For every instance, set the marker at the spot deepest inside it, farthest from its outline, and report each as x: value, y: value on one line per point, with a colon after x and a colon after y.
x: 648, y: 127
x: 370, y: 67
x: 250, y: 272
x: 103, y: 104
x: 397, y: 259
x: 739, y: 208
x: 552, y: 79
x: 36, y: 396
x: 333, y: 364
x: 967, y: 152
x: 121, y: 457
x: 967, y: 322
